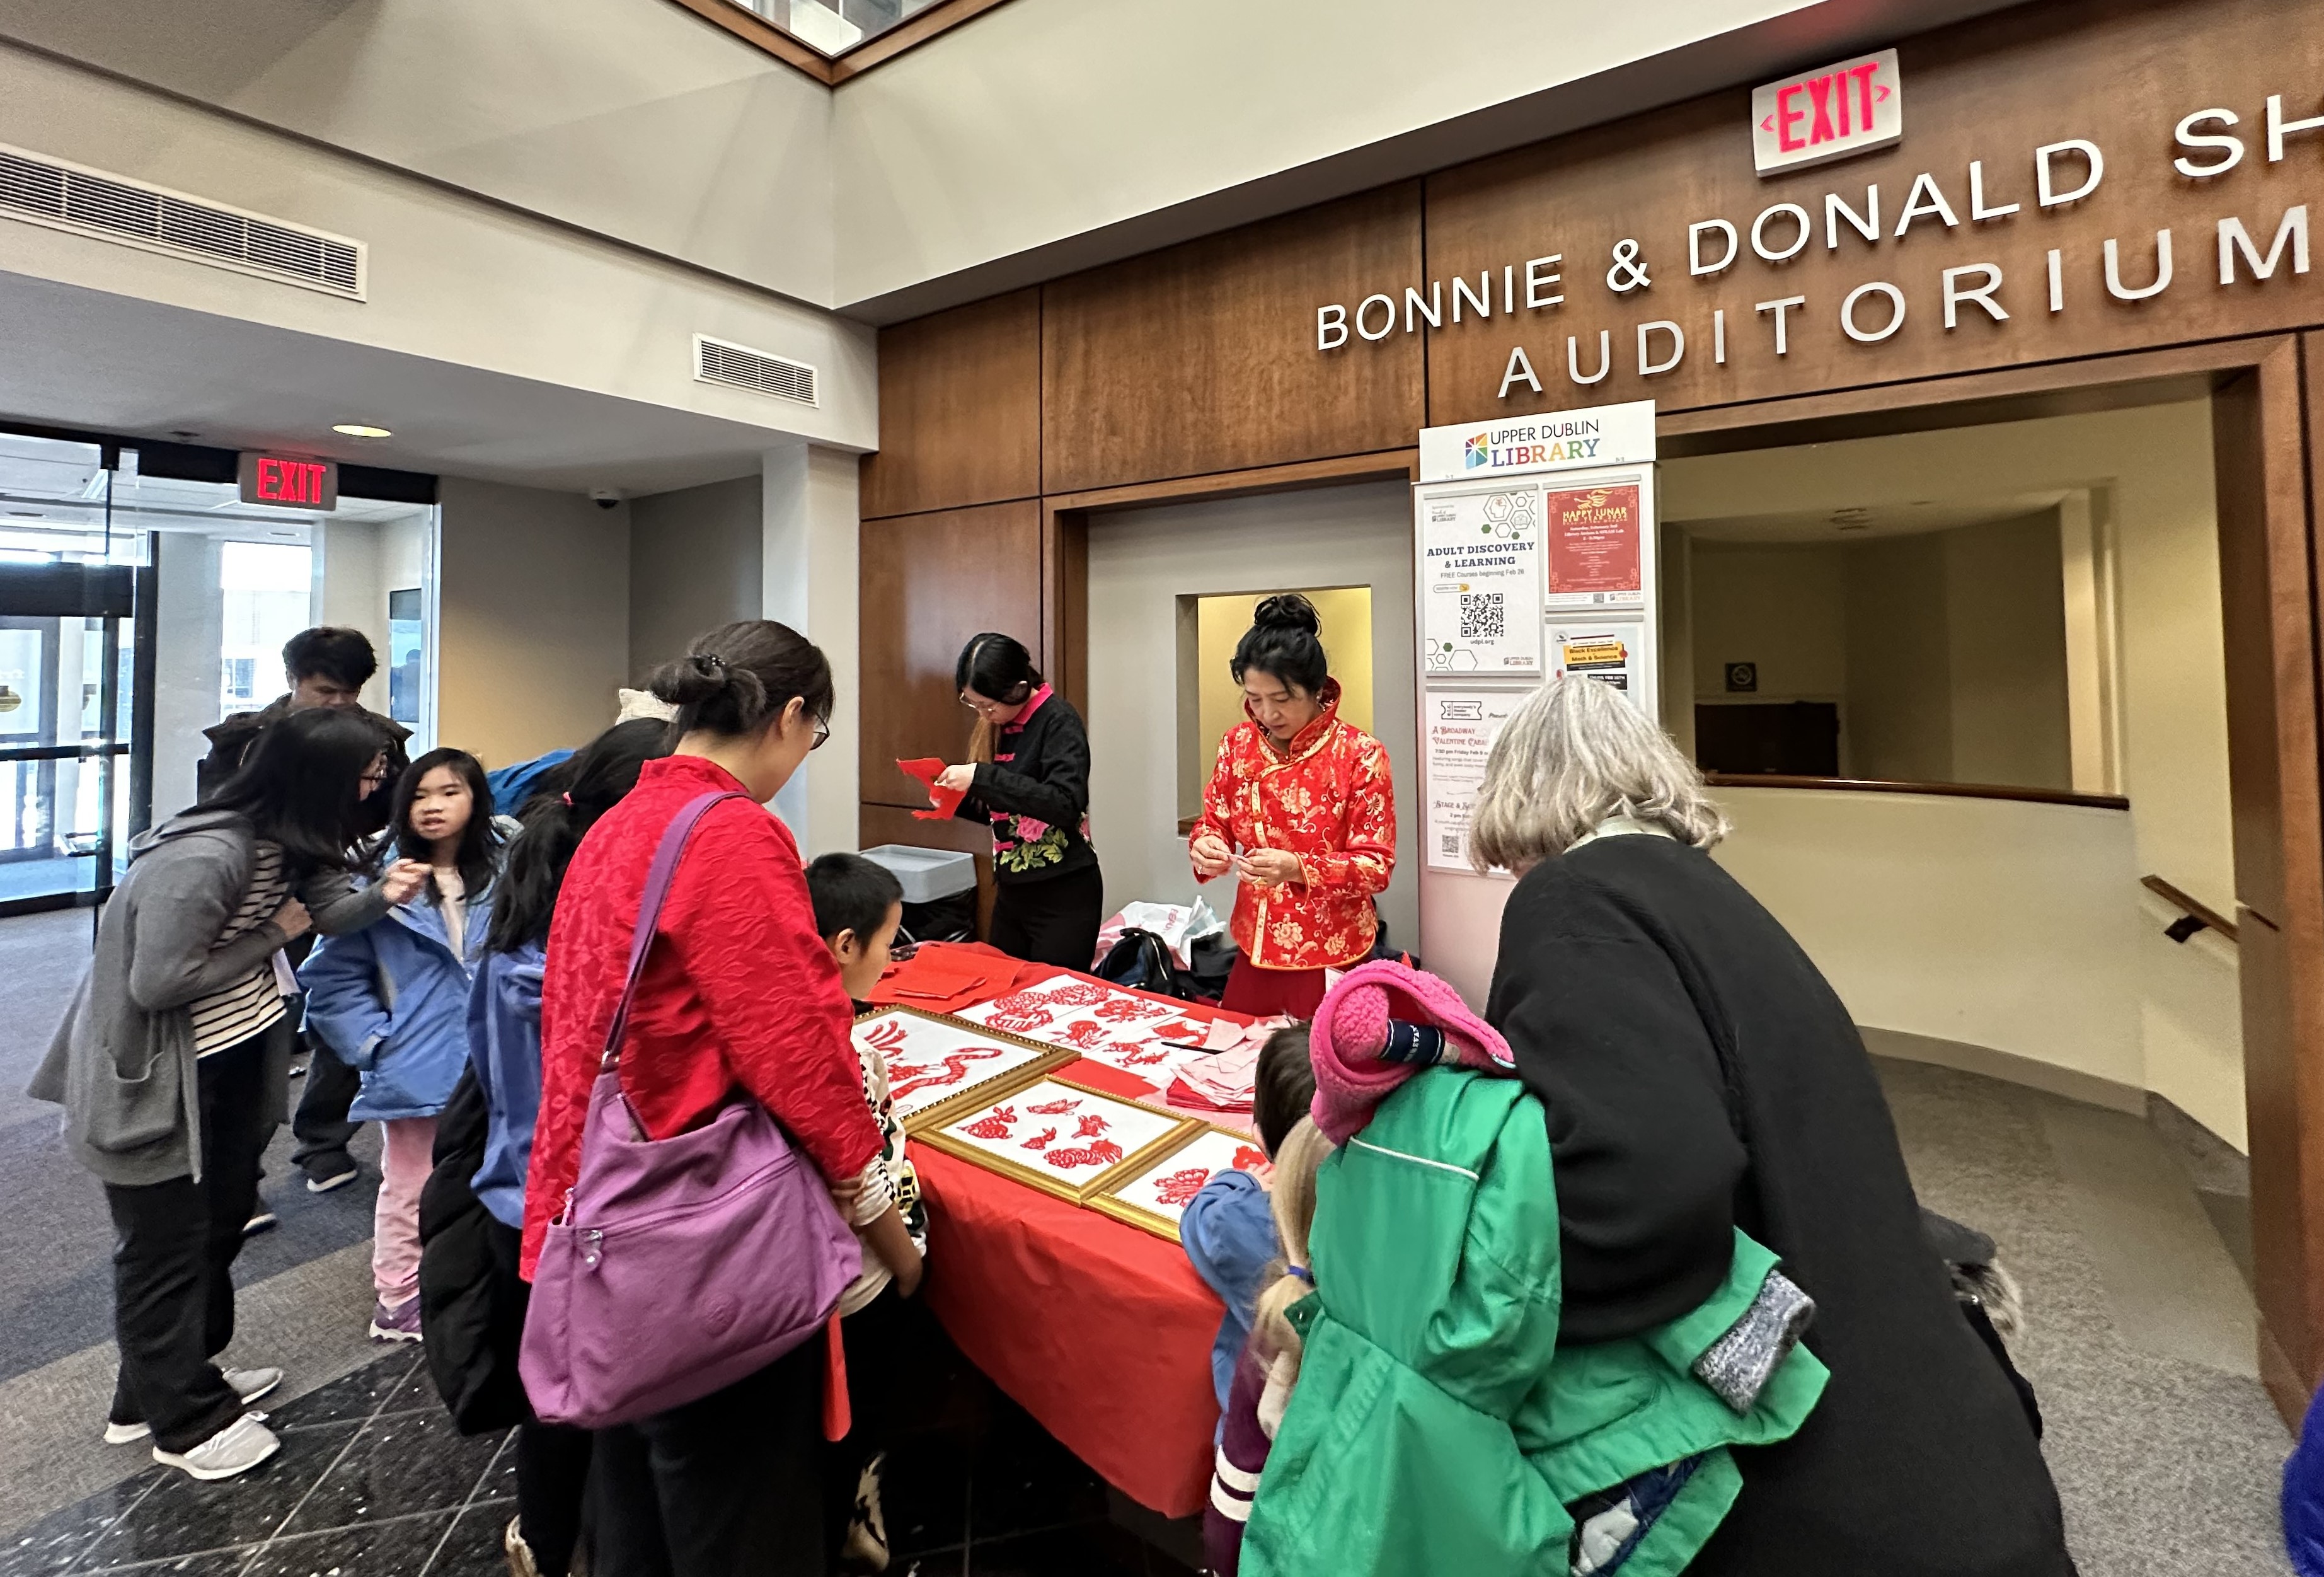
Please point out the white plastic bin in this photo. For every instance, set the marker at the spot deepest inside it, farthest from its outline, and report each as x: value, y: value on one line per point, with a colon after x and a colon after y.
x: 927, y: 874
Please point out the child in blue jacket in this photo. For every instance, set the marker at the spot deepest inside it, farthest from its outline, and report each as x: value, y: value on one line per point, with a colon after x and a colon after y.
x: 392, y: 1001
x: 1228, y: 1229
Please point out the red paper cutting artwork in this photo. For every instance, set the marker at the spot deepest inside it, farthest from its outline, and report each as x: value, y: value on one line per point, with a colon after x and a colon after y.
x: 1122, y: 1009
x: 887, y: 1037
x: 1180, y: 1187
x: 1249, y: 1158
x: 1076, y: 993
x: 995, y: 1124
x: 1043, y: 1139
x: 1102, y: 1153
x: 906, y: 1078
x: 1057, y: 1108
x: 944, y: 801
x: 1086, y: 1033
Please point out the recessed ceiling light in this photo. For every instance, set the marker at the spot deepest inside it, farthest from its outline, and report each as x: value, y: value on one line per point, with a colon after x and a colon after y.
x: 359, y: 430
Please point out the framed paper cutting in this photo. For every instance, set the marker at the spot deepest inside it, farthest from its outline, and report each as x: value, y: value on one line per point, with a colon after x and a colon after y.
x: 1061, y: 1139
x: 1155, y: 1192
x: 935, y: 1064
x: 1122, y: 1030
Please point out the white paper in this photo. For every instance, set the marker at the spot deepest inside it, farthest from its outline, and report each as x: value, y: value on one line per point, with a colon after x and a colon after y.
x: 1481, y: 600
x: 929, y: 1062
x: 1612, y: 652
x: 1068, y: 1134
x: 1459, y: 727
x: 1174, y: 1179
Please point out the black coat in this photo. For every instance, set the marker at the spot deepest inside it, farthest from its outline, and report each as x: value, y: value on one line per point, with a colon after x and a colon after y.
x: 1041, y: 771
x: 1699, y: 1074
x: 471, y: 1302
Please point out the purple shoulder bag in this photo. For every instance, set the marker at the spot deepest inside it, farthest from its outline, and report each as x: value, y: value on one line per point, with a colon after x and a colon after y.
x: 680, y: 1264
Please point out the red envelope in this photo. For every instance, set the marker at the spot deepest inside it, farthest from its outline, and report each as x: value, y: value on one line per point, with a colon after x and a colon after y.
x: 946, y: 800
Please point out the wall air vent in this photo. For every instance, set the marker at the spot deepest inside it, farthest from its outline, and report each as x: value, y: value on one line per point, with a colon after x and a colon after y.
x: 718, y: 361
x: 88, y: 202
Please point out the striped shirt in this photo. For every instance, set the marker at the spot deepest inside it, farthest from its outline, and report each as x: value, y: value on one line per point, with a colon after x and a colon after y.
x: 234, y: 1013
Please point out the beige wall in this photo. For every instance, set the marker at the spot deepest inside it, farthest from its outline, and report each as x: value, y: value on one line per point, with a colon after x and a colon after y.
x: 635, y: 120
x: 1782, y: 606
x: 1899, y: 723
x: 2005, y: 624
x: 535, y: 600
x: 1140, y: 563
x: 694, y: 565
x: 2149, y: 476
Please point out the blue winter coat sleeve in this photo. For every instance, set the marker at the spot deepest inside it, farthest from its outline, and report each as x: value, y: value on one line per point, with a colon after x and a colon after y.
x: 1228, y: 1230
x: 344, y: 1006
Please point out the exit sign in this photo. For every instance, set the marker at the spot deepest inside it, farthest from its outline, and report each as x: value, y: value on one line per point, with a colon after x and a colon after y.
x: 1829, y: 113
x: 289, y: 482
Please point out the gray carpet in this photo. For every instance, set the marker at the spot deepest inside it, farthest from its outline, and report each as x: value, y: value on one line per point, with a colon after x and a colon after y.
x: 2140, y: 1342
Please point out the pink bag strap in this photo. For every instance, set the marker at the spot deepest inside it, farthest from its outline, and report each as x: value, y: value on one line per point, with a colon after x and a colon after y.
x: 659, y: 876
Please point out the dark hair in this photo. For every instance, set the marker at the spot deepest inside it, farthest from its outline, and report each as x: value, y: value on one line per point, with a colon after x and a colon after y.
x: 1285, y: 1087
x: 340, y: 655
x: 739, y: 677
x: 300, y: 786
x: 998, y: 668
x: 480, y: 840
x: 572, y: 796
x: 851, y: 893
x: 1282, y: 641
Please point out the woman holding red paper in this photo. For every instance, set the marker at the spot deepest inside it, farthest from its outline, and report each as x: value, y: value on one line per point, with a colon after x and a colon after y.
x: 1027, y: 777
x: 1303, y: 808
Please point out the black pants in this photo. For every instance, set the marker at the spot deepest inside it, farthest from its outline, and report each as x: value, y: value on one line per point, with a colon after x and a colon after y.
x: 729, y: 1485
x: 877, y: 1338
x: 1054, y: 920
x: 173, y: 1251
x: 320, y: 1124
x: 552, y: 1460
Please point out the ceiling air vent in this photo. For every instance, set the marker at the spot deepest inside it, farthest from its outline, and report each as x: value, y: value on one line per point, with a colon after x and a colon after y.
x: 717, y: 361
x: 112, y: 208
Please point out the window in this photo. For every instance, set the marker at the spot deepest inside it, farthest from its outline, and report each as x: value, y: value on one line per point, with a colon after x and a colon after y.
x: 267, y: 589
x: 834, y: 39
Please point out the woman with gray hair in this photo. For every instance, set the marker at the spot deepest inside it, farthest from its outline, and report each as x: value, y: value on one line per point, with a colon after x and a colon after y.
x: 1699, y: 1077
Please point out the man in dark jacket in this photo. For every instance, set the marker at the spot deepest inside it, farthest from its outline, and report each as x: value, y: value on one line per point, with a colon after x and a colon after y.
x: 326, y: 666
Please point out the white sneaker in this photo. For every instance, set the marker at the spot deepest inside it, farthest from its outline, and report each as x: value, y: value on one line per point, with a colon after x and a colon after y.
x: 249, y: 1384
x: 236, y: 1449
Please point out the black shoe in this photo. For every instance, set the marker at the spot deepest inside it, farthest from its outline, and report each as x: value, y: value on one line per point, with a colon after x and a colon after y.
x: 324, y: 1173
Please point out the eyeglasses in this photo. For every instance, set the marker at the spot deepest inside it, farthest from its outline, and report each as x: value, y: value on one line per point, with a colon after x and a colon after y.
x: 976, y: 704
x: 373, y: 779
x: 822, y: 735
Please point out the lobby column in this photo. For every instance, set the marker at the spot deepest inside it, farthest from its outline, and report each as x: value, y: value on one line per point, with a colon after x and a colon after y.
x: 809, y: 583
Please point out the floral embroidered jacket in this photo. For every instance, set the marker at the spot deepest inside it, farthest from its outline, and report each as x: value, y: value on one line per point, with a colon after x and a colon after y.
x: 1330, y: 799
x: 1035, y: 792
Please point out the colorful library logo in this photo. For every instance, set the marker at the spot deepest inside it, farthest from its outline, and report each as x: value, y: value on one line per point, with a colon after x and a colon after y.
x: 1479, y: 452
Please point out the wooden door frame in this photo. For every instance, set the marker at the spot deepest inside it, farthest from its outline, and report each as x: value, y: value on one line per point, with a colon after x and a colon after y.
x: 2272, y: 390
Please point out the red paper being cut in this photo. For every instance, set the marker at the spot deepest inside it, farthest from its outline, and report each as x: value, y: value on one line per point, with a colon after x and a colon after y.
x: 944, y: 800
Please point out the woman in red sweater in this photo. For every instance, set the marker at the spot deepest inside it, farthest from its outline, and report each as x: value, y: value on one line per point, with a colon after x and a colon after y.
x: 738, y: 995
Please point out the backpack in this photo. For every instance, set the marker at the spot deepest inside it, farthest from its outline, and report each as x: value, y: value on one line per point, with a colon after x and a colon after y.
x: 1140, y: 961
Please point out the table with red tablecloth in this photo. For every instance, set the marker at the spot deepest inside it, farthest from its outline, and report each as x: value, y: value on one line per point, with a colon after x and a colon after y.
x: 1100, y: 1331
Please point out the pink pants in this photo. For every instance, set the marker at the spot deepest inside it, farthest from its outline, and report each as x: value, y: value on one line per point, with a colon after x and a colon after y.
x: 406, y: 1154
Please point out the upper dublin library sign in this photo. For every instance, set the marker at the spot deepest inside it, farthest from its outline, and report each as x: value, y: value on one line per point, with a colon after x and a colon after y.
x: 2208, y: 197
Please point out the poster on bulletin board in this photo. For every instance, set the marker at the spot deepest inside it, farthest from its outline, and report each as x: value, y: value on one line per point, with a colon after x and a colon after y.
x: 1481, y: 595
x: 1597, y: 538
x: 1460, y: 726
x: 1612, y: 651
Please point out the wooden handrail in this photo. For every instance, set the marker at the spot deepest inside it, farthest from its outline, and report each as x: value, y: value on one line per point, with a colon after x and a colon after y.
x: 1895, y: 785
x: 2194, y: 908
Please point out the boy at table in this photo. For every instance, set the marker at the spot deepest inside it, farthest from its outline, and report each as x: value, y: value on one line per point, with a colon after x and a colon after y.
x: 1228, y: 1229
x: 857, y: 905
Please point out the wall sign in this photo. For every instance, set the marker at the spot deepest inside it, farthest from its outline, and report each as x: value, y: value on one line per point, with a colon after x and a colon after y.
x: 289, y: 482
x: 1560, y: 440
x: 1813, y: 117
x: 1596, y: 545
x: 1459, y: 727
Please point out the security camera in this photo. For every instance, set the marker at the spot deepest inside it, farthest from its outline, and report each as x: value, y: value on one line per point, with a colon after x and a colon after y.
x: 604, y: 497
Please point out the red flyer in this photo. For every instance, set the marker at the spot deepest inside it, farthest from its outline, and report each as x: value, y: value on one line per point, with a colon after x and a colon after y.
x: 1594, y: 544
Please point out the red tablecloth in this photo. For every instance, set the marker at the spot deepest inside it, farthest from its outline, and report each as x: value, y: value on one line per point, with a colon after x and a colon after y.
x: 1099, y: 1330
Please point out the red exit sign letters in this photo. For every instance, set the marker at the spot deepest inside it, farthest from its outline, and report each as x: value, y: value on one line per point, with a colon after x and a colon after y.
x: 1826, y: 114
x: 288, y: 482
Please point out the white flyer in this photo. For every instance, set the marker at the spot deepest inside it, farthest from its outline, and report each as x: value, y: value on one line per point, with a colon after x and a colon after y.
x: 1482, y: 609
x: 1612, y: 651
x: 1460, y: 727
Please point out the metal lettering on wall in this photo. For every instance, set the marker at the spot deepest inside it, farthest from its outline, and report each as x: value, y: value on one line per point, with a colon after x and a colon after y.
x: 1941, y: 258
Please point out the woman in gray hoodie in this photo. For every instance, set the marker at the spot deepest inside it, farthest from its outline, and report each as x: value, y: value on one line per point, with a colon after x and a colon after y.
x: 173, y: 1064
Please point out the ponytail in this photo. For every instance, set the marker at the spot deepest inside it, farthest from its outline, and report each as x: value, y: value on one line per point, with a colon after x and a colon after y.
x: 572, y: 797
x: 1292, y: 1196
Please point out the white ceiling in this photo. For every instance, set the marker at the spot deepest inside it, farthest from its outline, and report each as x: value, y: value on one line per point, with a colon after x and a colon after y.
x: 1857, y: 523
x: 86, y: 359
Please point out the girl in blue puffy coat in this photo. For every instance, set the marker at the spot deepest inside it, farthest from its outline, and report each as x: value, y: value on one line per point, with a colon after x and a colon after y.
x: 393, y: 1001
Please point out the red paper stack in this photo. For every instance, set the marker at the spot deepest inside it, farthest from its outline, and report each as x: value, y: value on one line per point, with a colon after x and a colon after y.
x: 946, y: 800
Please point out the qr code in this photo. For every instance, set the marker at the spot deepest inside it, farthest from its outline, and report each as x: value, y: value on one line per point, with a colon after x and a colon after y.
x: 1449, y: 844
x: 1481, y: 616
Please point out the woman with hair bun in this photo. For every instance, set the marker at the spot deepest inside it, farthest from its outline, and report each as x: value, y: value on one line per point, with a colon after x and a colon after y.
x: 1302, y: 808
x: 737, y: 997
x: 1028, y: 775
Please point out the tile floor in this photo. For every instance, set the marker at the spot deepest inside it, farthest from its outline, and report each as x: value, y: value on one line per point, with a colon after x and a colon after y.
x: 373, y: 1482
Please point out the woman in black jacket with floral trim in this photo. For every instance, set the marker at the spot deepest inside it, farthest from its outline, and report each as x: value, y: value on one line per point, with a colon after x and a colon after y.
x: 1027, y: 776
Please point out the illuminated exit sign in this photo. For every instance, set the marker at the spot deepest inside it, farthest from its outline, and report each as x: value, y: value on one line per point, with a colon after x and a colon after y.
x: 1829, y: 113
x: 288, y: 482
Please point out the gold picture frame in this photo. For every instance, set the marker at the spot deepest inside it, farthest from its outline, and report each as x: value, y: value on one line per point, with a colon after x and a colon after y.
x: 1107, y: 1197
x: 984, y: 1092
x: 1174, y: 1131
